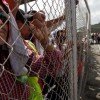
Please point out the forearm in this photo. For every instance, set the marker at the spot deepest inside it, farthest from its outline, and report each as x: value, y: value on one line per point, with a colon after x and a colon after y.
x: 50, y: 23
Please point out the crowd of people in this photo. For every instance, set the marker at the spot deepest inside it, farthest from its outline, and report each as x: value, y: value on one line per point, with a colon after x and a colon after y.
x: 95, y: 38
x: 28, y: 59
x: 31, y: 57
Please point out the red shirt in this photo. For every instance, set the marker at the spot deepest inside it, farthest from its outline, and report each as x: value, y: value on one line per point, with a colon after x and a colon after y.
x: 49, y: 64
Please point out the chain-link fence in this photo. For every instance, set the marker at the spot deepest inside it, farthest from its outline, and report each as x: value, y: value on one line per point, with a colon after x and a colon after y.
x: 43, y: 49
x: 83, y: 35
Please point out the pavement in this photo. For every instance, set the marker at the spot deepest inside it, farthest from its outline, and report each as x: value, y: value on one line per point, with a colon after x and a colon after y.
x: 92, y: 89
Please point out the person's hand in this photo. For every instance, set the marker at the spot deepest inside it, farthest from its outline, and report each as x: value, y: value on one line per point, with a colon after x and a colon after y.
x: 42, y: 34
x: 37, y: 33
x: 42, y: 38
x: 40, y: 28
x: 37, y: 23
x: 39, y: 16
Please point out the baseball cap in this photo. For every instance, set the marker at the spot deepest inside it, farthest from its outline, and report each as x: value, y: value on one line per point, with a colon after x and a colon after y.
x: 22, y: 16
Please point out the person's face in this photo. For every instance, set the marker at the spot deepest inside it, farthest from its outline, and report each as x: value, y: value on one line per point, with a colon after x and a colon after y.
x: 61, y: 38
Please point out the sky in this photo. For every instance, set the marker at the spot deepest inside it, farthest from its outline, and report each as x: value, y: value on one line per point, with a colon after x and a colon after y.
x: 49, y: 6
x: 94, y: 6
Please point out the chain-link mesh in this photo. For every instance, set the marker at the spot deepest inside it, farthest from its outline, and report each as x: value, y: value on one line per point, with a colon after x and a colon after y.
x: 83, y: 32
x: 37, y: 57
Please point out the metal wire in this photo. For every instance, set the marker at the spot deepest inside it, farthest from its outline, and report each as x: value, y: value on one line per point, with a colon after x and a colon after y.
x: 56, y: 71
x: 83, y: 34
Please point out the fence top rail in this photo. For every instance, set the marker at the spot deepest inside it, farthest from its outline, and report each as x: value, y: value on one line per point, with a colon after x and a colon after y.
x: 87, y: 6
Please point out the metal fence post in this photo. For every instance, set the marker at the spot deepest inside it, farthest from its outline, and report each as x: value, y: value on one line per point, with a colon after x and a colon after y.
x: 70, y: 10
x: 69, y: 33
x: 73, y: 23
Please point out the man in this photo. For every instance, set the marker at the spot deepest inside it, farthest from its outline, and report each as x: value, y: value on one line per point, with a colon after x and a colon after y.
x: 8, y: 77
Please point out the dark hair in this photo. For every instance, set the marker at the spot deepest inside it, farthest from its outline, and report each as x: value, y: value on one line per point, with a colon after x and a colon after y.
x: 58, y: 33
x: 31, y: 14
x: 20, y: 15
x: 59, y: 36
x: 2, y: 15
x: 76, y: 1
x: 23, y: 17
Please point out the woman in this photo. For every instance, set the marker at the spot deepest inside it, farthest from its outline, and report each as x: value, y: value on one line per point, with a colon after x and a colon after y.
x: 41, y: 34
x: 48, y: 65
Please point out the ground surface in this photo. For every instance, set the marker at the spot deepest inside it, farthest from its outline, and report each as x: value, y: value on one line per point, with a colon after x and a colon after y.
x: 92, y: 90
